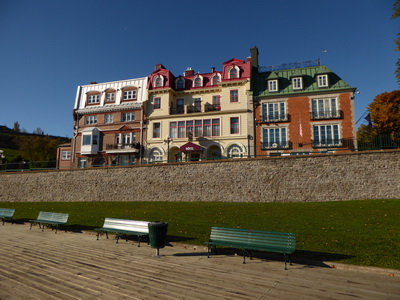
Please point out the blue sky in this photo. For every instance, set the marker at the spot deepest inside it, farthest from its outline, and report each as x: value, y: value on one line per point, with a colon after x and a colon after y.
x: 49, y: 47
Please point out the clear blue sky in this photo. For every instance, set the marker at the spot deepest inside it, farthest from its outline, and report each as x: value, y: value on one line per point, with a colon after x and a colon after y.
x: 49, y: 47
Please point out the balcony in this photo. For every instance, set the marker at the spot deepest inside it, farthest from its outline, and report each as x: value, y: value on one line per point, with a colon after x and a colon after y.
x: 274, y: 118
x: 212, y: 107
x: 123, y: 148
x: 177, y: 110
x: 276, y: 145
x: 327, y: 143
x: 327, y: 114
x: 193, y: 109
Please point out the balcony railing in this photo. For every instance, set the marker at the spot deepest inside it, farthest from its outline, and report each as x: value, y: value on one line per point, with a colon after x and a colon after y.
x: 134, y: 147
x: 275, y: 118
x: 193, y: 109
x: 176, y: 110
x: 328, y: 114
x: 330, y: 143
x: 276, y: 145
x: 212, y: 107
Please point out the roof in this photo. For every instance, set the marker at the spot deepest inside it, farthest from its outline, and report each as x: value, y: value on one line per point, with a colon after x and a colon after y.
x: 309, y: 81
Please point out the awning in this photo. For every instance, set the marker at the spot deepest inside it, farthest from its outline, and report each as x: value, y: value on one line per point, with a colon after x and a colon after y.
x: 191, y: 147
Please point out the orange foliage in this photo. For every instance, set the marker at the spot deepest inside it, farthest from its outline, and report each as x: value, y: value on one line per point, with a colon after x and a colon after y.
x: 385, y: 112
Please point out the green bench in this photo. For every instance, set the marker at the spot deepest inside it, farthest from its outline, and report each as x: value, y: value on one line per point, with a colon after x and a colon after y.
x: 6, y: 214
x: 122, y: 227
x: 247, y: 240
x: 50, y: 219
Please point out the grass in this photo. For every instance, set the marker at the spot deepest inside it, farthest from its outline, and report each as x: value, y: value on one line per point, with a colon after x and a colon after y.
x: 354, y: 232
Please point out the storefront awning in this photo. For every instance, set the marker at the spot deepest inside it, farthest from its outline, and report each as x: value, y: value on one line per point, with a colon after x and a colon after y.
x: 191, y: 147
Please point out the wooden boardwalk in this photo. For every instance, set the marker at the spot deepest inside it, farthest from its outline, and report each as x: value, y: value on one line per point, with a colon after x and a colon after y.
x: 44, y: 265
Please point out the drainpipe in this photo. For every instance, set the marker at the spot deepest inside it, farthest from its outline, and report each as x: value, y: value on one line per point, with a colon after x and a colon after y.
x: 141, y: 135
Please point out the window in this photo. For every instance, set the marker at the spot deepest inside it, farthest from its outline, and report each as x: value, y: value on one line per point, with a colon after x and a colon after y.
x: 198, y: 81
x: 326, y: 135
x: 126, y: 138
x: 110, y: 97
x: 90, y: 120
x: 157, y: 103
x: 93, y: 99
x: 215, y: 127
x: 275, y: 137
x: 234, y: 72
x: 87, y: 139
x: 326, y: 108
x: 216, y: 103
x: 173, y: 130
x: 159, y: 81
x: 127, y: 117
x: 108, y: 119
x: 156, y: 130
x: 207, y: 128
x: 198, y: 128
x: 181, y: 129
x: 180, y: 83
x: 322, y: 80
x: 197, y: 105
x: 235, y: 151
x: 234, y: 96
x: 235, y: 125
x: 297, y: 83
x: 216, y: 79
x: 131, y: 94
x: 66, y: 155
x: 274, y: 112
x: 155, y: 155
x: 189, y: 128
x: 273, y: 85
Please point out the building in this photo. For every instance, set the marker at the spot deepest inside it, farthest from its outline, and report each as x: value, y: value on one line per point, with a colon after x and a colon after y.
x: 198, y: 116
x: 303, y: 108
x: 108, y: 123
x: 63, y: 158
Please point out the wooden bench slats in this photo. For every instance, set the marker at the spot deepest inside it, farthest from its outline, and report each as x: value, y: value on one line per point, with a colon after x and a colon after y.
x: 124, y: 227
x: 280, y: 242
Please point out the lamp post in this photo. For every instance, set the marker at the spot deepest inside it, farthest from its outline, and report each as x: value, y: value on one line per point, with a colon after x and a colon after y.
x: 167, y: 141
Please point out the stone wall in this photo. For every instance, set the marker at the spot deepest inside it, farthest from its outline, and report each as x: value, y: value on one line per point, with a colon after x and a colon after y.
x: 332, y: 177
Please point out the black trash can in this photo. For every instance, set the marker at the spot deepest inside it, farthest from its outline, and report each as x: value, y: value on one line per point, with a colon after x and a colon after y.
x: 158, y: 235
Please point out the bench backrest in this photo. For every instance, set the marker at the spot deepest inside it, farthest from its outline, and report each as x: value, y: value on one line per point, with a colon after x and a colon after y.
x: 281, y: 241
x: 53, y: 217
x: 128, y: 225
x: 7, y: 212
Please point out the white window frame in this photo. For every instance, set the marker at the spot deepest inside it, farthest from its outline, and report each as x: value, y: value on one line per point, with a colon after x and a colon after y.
x: 297, y: 83
x: 273, y: 85
x: 322, y: 80
x: 110, y: 97
x: 128, y: 117
x: 108, y: 118
x: 130, y: 94
x: 155, y: 155
x: 235, y: 151
x: 198, y: 78
x: 156, y: 80
x: 90, y: 120
x: 272, y: 111
x: 93, y: 99
x: 271, y: 141
x: 217, y: 75
x: 325, y: 108
x: 66, y: 155
x: 319, y: 142
x: 237, y: 72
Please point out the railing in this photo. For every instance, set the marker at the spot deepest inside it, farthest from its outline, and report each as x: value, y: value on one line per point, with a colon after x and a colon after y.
x: 265, y: 150
x: 134, y: 147
x: 176, y: 110
x: 193, y: 109
x: 328, y: 114
x: 275, y: 118
x: 212, y: 107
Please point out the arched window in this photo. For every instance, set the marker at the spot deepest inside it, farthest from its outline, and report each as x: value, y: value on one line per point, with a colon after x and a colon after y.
x: 155, y: 155
x: 235, y: 151
x: 216, y: 79
x: 159, y: 81
x: 198, y: 81
x: 180, y: 83
x: 234, y: 72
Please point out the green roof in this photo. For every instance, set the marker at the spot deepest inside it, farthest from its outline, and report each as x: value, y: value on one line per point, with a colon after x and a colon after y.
x: 309, y: 81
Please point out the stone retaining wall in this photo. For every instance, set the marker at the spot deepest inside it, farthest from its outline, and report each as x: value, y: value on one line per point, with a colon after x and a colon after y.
x: 332, y: 177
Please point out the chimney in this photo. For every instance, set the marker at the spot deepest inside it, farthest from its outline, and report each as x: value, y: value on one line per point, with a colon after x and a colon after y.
x: 254, y: 57
x: 158, y: 67
x: 212, y: 70
x: 188, y: 72
x: 93, y: 82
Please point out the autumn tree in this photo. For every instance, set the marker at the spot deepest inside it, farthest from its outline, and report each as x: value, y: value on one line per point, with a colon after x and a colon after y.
x: 17, y: 128
x: 385, y: 113
x: 37, y: 148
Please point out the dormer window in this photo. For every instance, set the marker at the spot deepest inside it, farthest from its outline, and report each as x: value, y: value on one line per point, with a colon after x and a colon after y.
x: 180, y: 83
x: 216, y: 79
x: 198, y: 81
x: 93, y: 98
x: 297, y: 83
x: 234, y: 72
x: 273, y: 85
x: 129, y: 93
x: 322, y: 80
x: 110, y: 96
x: 159, y: 81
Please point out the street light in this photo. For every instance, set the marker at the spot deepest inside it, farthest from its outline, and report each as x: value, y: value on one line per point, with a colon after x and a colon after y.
x: 167, y: 141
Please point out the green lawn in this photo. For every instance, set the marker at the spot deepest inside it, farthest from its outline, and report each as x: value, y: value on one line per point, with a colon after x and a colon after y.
x: 356, y: 232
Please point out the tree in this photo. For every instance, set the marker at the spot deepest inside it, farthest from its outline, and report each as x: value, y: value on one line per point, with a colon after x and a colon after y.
x: 37, y: 148
x: 17, y: 128
x: 385, y: 113
x: 38, y: 131
x: 396, y: 14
